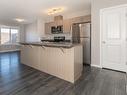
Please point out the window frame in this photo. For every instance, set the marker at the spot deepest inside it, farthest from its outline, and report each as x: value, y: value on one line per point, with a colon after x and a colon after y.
x: 10, y: 38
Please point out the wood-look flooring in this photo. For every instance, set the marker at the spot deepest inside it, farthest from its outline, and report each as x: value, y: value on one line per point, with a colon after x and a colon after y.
x: 18, y: 79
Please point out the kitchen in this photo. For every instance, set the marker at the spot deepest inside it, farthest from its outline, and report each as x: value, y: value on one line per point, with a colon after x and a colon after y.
x: 63, y: 47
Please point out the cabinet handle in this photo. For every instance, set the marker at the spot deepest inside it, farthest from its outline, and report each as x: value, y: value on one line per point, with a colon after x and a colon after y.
x: 104, y: 42
x: 62, y: 50
x: 43, y: 47
x: 31, y: 46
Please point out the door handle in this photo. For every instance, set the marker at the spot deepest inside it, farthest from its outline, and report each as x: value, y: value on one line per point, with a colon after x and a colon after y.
x: 104, y: 42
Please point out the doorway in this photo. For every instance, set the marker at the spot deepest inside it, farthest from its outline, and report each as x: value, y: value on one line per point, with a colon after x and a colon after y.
x: 113, y: 38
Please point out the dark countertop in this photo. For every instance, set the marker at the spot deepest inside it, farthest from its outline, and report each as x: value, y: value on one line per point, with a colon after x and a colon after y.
x: 51, y: 44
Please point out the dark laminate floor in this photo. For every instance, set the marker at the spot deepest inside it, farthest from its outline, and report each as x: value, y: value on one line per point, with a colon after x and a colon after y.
x: 18, y: 79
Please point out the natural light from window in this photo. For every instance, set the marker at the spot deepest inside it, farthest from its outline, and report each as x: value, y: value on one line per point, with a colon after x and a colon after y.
x: 5, y: 35
x: 9, y: 35
x: 14, y: 35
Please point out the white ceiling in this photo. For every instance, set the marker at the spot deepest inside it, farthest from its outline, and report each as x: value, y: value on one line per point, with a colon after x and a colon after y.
x: 31, y: 9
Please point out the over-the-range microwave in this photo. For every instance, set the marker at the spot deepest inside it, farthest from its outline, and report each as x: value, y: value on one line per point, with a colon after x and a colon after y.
x: 57, y: 29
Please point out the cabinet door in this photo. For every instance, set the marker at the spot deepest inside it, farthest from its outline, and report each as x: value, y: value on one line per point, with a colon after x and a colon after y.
x: 59, y: 23
x: 34, y: 56
x: 30, y: 56
x: 81, y: 19
x: 47, y: 28
x: 25, y: 56
x: 67, y: 26
x: 53, y: 62
x: 53, y: 24
x: 43, y: 59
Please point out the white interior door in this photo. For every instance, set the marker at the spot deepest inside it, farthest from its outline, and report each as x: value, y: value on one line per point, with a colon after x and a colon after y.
x: 113, y: 27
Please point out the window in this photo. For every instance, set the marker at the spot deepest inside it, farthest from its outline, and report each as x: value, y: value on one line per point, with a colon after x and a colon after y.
x: 5, y: 35
x: 14, y: 36
x: 9, y: 35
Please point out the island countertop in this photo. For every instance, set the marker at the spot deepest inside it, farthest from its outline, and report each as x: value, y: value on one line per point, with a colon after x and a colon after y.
x: 63, y: 60
x: 51, y: 44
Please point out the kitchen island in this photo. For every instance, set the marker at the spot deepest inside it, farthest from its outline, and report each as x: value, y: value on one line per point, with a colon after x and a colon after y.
x: 62, y: 60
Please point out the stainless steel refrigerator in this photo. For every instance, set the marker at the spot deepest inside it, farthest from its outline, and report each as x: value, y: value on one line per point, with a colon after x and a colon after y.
x: 81, y: 33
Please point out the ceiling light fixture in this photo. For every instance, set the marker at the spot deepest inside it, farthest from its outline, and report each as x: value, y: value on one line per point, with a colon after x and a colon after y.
x: 55, y: 10
x: 19, y: 20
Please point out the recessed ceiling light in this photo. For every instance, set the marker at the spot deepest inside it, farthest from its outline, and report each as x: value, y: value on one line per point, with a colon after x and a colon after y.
x: 19, y: 20
x: 55, y: 10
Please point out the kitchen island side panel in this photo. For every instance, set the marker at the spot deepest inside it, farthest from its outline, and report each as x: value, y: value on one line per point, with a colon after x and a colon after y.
x: 64, y: 63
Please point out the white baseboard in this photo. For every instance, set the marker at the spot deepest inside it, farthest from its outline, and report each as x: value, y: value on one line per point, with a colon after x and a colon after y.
x: 98, y: 66
x: 9, y: 50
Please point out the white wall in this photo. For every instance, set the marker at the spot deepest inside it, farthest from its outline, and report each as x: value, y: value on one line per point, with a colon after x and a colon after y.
x: 41, y: 26
x: 96, y: 6
x: 34, y: 31
x: 70, y: 15
x: 22, y: 33
x: 31, y: 32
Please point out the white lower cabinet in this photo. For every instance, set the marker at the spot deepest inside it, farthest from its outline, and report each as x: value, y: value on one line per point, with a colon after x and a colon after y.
x: 43, y: 59
x: 34, y: 56
x: 65, y: 63
x: 25, y: 55
x: 58, y: 62
x: 30, y: 56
